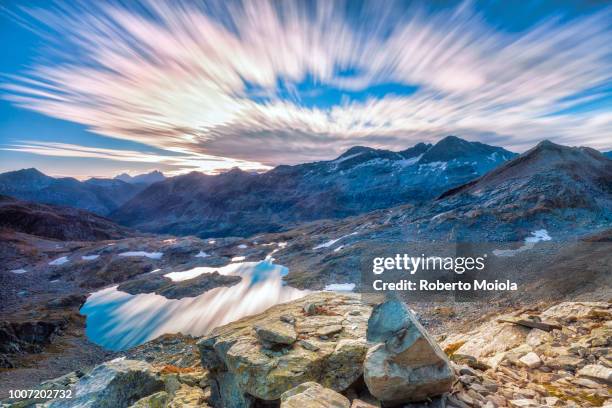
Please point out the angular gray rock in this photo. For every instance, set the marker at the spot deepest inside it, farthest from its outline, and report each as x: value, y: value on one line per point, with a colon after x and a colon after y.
x: 406, y: 364
x: 340, y: 370
x: 597, y: 372
x: 242, y: 368
x: 313, y: 395
x: 276, y: 333
x: 115, y: 384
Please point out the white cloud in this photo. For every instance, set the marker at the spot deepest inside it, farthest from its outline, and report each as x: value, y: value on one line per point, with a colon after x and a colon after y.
x: 187, y: 162
x: 179, y: 79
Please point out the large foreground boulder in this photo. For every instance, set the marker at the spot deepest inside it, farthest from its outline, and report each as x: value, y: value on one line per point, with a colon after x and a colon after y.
x: 405, y: 364
x: 260, y: 357
x: 115, y: 384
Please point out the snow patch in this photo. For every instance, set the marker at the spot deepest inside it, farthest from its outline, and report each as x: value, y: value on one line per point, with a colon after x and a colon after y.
x: 150, y: 255
x: 89, y: 257
x: 340, y: 160
x: 408, y: 162
x: 536, y: 236
x: 332, y: 241
x: 59, y: 261
x: 374, y: 162
x: 238, y: 258
x: 242, y: 246
x: 442, y: 214
x: 202, y: 254
x: 340, y: 287
x: 439, y: 165
x: 18, y: 271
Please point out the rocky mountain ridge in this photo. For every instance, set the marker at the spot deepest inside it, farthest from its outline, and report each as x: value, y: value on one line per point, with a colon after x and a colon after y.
x: 547, y: 185
x: 362, y: 179
x: 551, y: 193
x: 563, y: 192
x: 61, y: 223
x: 146, y: 179
x: 100, y: 196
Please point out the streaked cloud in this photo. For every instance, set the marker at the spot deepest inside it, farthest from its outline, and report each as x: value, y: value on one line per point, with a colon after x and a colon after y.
x: 192, y: 161
x: 204, y: 81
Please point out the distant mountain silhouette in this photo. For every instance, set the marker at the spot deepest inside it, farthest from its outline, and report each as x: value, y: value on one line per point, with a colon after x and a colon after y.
x: 100, y: 196
x: 360, y: 180
x: 148, y: 178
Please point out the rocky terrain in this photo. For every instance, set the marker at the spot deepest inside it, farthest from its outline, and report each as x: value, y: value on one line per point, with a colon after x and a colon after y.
x: 61, y: 223
x: 320, y: 323
x: 44, y: 283
x: 157, y: 283
x: 332, y: 350
x: 548, y: 211
x: 362, y: 179
x: 564, y: 191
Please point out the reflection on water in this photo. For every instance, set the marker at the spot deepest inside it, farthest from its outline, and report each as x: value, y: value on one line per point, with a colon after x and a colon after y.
x: 117, y: 320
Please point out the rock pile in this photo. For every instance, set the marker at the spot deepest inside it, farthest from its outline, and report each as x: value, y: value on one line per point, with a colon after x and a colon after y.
x: 333, y: 351
x: 28, y: 336
x: 318, y: 346
x: 320, y: 338
x: 505, y: 364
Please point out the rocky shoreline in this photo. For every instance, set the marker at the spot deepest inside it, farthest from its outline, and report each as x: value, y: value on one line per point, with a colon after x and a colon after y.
x: 44, y: 331
x: 334, y: 350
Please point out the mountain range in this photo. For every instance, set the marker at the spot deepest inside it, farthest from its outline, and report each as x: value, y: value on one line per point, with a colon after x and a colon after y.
x: 362, y: 179
x: 98, y: 195
x: 551, y: 192
x: 451, y: 188
x: 146, y: 179
x: 363, y: 202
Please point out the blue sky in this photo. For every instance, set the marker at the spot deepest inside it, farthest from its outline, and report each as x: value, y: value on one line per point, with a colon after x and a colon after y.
x: 94, y: 90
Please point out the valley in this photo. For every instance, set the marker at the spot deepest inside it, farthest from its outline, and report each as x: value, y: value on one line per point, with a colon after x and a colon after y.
x: 79, y: 289
x: 305, y: 204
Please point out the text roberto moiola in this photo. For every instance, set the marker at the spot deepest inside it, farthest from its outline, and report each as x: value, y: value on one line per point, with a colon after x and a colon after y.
x: 434, y: 265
